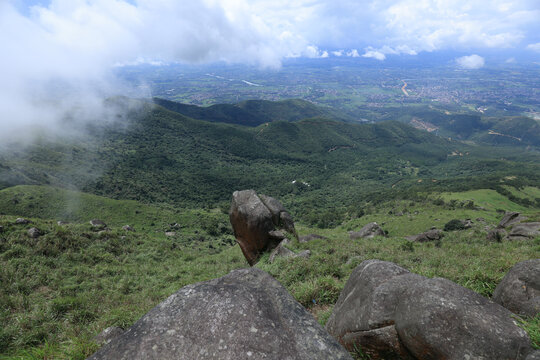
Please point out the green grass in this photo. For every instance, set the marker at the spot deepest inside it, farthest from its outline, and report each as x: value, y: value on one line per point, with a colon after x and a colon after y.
x: 60, y: 290
x: 489, y: 199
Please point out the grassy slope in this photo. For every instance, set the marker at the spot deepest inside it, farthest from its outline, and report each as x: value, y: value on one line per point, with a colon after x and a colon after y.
x: 65, y: 287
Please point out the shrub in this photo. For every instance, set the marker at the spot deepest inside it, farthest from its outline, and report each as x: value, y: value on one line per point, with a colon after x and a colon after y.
x: 454, y: 224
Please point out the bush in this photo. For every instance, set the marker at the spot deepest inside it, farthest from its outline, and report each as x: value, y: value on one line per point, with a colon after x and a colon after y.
x: 454, y: 224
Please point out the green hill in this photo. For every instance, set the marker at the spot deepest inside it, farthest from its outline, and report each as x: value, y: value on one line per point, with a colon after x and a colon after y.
x: 253, y: 112
x: 318, y: 166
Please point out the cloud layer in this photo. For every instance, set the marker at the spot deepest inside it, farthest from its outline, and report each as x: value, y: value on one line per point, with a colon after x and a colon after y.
x: 56, y: 53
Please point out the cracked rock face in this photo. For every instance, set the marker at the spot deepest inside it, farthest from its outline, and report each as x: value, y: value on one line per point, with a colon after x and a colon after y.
x: 255, y: 220
x: 394, y: 314
x: 519, y: 290
x: 244, y: 315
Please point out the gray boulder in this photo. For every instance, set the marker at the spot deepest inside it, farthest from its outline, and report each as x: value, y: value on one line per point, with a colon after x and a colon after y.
x: 438, y: 319
x: 255, y: 220
x: 510, y: 218
x: 535, y: 355
x: 524, y: 231
x: 22, y: 221
x: 244, y: 315
x: 394, y: 314
x: 430, y: 235
x: 34, y: 233
x: 128, y: 228
x: 519, y: 290
x: 281, y: 251
x: 98, y: 223
x: 364, y: 313
x: 367, y: 232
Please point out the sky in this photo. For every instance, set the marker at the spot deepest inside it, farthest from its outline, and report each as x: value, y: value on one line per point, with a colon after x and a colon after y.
x: 71, y: 47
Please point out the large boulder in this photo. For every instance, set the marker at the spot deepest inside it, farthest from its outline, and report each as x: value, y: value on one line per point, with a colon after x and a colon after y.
x: 391, y: 313
x: 255, y: 220
x: 519, y: 290
x: 367, y: 232
x: 244, y: 315
x: 430, y: 235
x: 364, y: 313
x: 438, y: 319
x: 524, y: 231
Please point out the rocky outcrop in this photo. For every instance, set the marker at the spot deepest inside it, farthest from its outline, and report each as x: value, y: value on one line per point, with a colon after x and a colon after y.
x: 244, y: 315
x: 430, y: 235
x: 394, y: 314
x: 519, y: 290
x: 367, y: 232
x: 523, y: 231
x: 256, y: 221
x: 510, y: 218
x: 310, y: 237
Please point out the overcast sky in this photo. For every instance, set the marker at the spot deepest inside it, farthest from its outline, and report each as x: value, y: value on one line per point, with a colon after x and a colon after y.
x: 78, y: 42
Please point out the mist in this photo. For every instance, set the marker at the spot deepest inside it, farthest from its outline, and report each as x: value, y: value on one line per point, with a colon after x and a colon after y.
x: 58, y: 61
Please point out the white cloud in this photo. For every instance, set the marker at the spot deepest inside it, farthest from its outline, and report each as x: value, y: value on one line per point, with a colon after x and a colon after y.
x: 353, y: 53
x: 75, y: 43
x: 534, y: 47
x: 312, y: 51
x: 374, y: 54
x: 61, y: 56
x: 471, y: 62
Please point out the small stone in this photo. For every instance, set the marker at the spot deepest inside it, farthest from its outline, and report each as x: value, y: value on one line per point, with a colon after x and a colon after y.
x: 170, y: 233
x: 97, y: 223
x: 22, y: 221
x: 127, y: 228
x: 60, y: 223
x: 34, y: 233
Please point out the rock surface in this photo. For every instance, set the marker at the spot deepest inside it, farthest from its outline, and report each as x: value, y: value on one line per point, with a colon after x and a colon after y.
x: 22, y: 221
x: 34, y: 233
x: 255, y: 220
x: 524, y: 231
x: 281, y: 251
x: 510, y: 218
x: 519, y: 290
x: 367, y: 232
x: 394, y: 314
x: 244, y: 315
x: 107, y: 335
x: 430, y: 235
